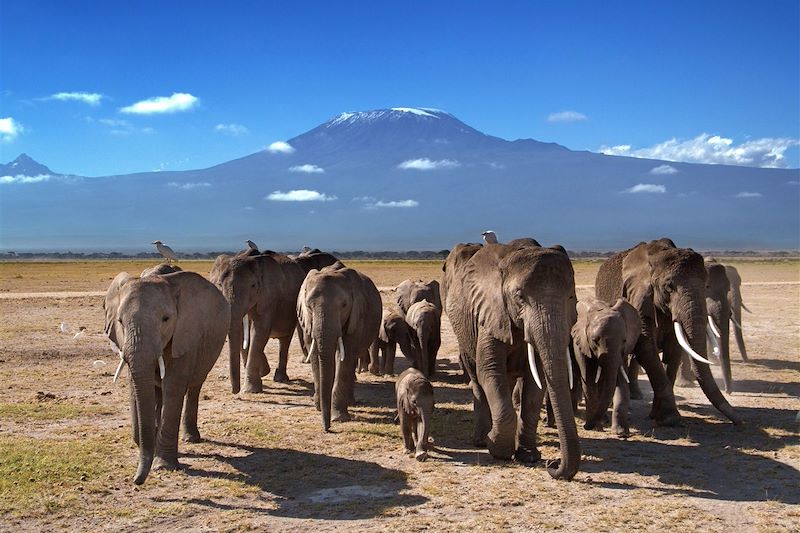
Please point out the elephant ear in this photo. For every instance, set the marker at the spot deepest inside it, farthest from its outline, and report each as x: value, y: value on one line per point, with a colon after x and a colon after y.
x: 358, y: 312
x: 633, y: 323
x: 637, y: 284
x: 483, y: 281
x: 434, y: 286
x: 404, y: 295
x: 303, y: 313
x: 111, y: 305
x: 580, y: 335
x: 192, y: 306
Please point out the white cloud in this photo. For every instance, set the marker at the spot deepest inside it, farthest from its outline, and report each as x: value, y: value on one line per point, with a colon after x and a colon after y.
x: 395, y: 203
x: 307, y: 169
x: 713, y: 149
x: 10, y: 129
x: 662, y: 170
x: 189, y: 185
x: 496, y: 166
x: 746, y: 194
x: 566, y: 116
x: 231, y: 129
x: 426, y: 164
x: 162, y: 104
x: 280, y: 147
x: 19, y: 178
x: 121, y: 127
x: 300, y: 195
x: 87, y: 98
x: 646, y: 188
x: 793, y: 182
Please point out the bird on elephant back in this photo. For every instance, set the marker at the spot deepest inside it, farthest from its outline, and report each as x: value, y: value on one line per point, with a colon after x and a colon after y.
x: 512, y: 307
x: 667, y: 286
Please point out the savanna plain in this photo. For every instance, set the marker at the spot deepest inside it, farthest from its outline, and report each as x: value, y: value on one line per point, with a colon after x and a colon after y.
x: 67, y: 457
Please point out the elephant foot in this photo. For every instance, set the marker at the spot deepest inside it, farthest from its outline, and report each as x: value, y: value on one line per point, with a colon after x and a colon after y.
x: 162, y: 463
x: 265, y: 368
x: 253, y: 386
x: 621, y: 432
x: 500, y: 450
x: 593, y: 426
x: 527, y: 456
x: 421, y: 456
x: 280, y: 376
x: 341, y: 416
x: 375, y: 371
x: 191, y: 436
x: 670, y: 419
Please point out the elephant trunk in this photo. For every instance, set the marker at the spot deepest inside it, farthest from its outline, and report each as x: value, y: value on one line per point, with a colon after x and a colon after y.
x: 695, y: 328
x: 235, y: 335
x: 602, y: 392
x: 142, y: 371
x: 424, y: 363
x: 550, y: 336
x: 325, y: 334
x: 736, y: 314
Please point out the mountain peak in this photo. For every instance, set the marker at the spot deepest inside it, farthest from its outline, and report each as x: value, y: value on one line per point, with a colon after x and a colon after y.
x: 393, y: 114
x: 24, y: 165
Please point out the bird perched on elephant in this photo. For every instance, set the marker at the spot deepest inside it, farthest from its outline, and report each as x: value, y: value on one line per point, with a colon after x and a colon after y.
x: 263, y: 287
x: 394, y: 331
x: 338, y: 310
x: 169, y: 329
x: 737, y: 304
x: 602, y: 338
x: 414, y: 409
x: 512, y: 308
x: 410, y: 292
x: 424, y: 321
x: 666, y: 285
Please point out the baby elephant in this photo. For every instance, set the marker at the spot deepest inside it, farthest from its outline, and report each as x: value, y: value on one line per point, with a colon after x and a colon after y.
x: 424, y: 320
x: 414, y: 409
x: 394, y: 331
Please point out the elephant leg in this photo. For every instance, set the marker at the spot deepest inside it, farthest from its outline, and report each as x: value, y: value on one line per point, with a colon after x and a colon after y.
x: 283, y: 359
x: 530, y: 406
x: 317, y: 383
x: 482, y: 417
x: 257, y: 361
x: 516, y: 395
x: 664, y: 411
x: 303, y: 347
x: 619, y: 416
x: 134, y: 415
x: 406, y: 425
x: 166, y: 456
x: 189, y: 421
x: 375, y: 367
x: 635, y: 392
x: 550, y: 420
x: 493, y: 377
x: 389, y: 353
x: 343, y: 395
x: 159, y: 403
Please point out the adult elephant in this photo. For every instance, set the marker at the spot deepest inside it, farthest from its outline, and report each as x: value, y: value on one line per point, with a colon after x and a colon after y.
x: 169, y: 329
x: 666, y: 285
x: 263, y: 287
x: 736, y: 304
x: 338, y: 309
x: 512, y: 308
x: 410, y: 292
x: 719, y: 313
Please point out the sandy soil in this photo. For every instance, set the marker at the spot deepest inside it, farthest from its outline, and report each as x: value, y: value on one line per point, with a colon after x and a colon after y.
x: 66, y: 456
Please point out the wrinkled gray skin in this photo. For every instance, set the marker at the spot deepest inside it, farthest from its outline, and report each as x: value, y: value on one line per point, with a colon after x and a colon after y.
x: 163, y: 268
x: 665, y: 284
x: 424, y: 321
x: 602, y: 338
x: 185, y: 318
x: 393, y: 332
x: 337, y: 303
x: 736, y: 304
x: 719, y: 309
x: 410, y: 292
x: 264, y: 287
x: 415, y: 409
x: 499, y: 298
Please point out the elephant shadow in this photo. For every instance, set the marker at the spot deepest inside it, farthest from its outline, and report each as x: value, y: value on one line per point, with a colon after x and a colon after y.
x: 308, y: 485
x: 758, y: 386
x: 776, y: 364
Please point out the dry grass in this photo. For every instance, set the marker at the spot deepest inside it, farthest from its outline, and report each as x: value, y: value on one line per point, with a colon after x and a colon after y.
x: 67, y: 461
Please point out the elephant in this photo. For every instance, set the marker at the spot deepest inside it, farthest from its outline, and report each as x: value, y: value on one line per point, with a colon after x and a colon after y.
x: 410, y: 292
x: 264, y: 287
x: 338, y: 308
x: 393, y: 331
x: 314, y: 259
x: 718, y: 288
x: 162, y: 268
x: 512, y: 308
x: 602, y: 338
x: 424, y: 321
x: 414, y: 409
x: 169, y: 329
x: 666, y: 285
x: 736, y: 304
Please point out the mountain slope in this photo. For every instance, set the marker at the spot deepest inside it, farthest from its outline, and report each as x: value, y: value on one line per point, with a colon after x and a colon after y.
x: 408, y: 178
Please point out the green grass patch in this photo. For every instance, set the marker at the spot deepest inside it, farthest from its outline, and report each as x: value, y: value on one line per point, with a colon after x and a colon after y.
x: 20, y: 412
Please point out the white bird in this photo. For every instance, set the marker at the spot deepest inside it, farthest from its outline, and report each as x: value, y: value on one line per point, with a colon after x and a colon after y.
x: 165, y: 251
x: 489, y: 237
x: 306, y: 249
x: 251, y: 245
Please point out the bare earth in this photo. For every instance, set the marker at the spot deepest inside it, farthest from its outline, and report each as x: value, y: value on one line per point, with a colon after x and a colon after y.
x: 67, y: 457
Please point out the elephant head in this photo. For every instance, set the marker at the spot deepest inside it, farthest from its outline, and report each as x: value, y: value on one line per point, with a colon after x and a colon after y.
x: 410, y: 292
x: 603, y: 336
x: 154, y: 322
x: 395, y: 329
x: 667, y: 285
x: 163, y: 268
x: 719, y: 312
x: 314, y: 260
x: 525, y: 299
x: 338, y: 310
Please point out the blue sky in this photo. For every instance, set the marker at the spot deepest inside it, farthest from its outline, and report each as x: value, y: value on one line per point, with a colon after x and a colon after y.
x: 587, y: 75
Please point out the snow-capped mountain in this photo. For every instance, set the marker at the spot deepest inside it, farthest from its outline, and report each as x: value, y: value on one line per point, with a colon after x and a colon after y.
x: 402, y: 179
x: 24, y: 166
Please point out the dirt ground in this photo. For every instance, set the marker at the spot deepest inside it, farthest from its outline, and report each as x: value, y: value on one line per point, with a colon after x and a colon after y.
x: 67, y: 457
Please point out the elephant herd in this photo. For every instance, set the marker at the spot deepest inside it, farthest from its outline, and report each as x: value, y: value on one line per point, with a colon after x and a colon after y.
x: 523, y: 337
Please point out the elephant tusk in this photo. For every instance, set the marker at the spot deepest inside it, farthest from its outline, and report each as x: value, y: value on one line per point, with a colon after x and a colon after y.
x: 569, y: 369
x: 745, y: 308
x: 246, y: 336
x: 713, y: 340
x: 681, y: 336
x: 735, y: 323
x: 624, y: 375
x: 713, y: 327
x: 597, y: 376
x: 310, y: 350
x: 341, y: 349
x: 119, y: 370
x: 161, y: 366
x: 532, y: 365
